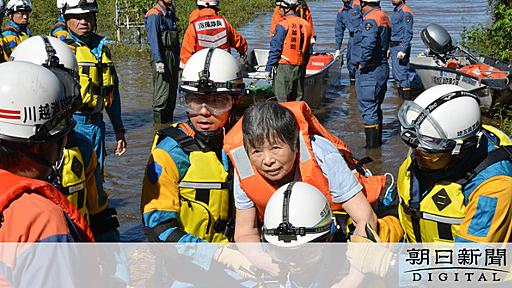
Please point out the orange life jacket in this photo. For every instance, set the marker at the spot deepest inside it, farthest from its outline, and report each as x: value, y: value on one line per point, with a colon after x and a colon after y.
x: 13, y: 186
x: 296, y: 42
x: 211, y: 32
x: 259, y: 190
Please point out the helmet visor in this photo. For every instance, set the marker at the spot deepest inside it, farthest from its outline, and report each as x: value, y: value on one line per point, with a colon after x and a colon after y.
x: 412, y: 117
x: 215, y: 104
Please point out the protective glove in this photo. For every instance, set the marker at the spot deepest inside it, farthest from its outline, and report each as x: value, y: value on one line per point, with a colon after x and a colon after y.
x: 388, y: 54
x: 400, y: 55
x: 367, y: 257
x: 268, y: 75
x: 313, y: 40
x: 160, y: 67
x: 337, y: 54
x: 390, y: 229
x: 235, y: 261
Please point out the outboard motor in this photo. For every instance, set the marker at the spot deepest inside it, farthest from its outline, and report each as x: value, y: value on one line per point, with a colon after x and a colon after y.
x: 437, y: 39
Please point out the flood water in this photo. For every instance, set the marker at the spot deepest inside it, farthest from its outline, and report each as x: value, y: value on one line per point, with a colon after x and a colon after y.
x: 338, y: 111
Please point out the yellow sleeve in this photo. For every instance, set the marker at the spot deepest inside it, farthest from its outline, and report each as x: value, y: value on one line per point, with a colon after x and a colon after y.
x: 160, y: 190
x: 488, y: 212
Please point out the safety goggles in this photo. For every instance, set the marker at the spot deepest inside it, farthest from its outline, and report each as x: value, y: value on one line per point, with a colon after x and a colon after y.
x: 215, y: 103
x: 411, y: 117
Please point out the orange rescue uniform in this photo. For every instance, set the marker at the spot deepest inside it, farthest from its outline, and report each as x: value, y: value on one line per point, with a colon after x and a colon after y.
x: 304, y: 13
x: 207, y: 29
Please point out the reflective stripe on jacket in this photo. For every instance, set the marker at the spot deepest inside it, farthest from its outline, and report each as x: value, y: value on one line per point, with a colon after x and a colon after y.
x: 260, y: 190
x: 436, y: 215
x: 198, y: 197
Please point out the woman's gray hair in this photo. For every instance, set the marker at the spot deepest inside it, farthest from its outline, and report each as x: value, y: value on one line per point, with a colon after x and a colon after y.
x: 268, y: 121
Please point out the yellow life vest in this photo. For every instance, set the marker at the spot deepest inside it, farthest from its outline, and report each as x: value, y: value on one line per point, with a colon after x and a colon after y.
x: 73, y: 180
x: 96, y: 79
x: 206, y: 200
x: 443, y: 208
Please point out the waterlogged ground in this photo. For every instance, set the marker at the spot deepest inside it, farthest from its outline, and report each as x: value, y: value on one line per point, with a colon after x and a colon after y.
x: 338, y: 111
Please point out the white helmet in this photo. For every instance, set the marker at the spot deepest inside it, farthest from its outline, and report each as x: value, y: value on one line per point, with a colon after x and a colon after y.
x: 33, y: 105
x: 77, y: 6
x: 371, y: 1
x: 18, y: 5
x: 297, y: 213
x: 55, y: 55
x: 287, y: 3
x: 207, y: 3
x: 444, y: 118
x: 2, y: 7
x: 212, y: 71
x: 44, y: 49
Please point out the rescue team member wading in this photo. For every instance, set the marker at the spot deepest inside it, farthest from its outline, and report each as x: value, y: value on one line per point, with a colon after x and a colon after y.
x: 273, y: 145
x: 289, y: 53
x: 349, y: 17
x: 400, y: 47
x: 370, y: 49
x: 16, y: 29
x: 186, y: 194
x: 209, y: 30
x: 161, y: 25
x: 80, y: 178
x: 31, y: 146
x: 98, y: 77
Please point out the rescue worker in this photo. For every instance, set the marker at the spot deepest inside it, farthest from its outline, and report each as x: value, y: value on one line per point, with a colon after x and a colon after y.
x: 400, y: 47
x: 161, y: 24
x: 456, y: 182
x: 349, y: 17
x: 98, y: 78
x: 80, y: 178
x: 31, y: 151
x: 302, y: 11
x: 186, y: 193
x: 210, y: 30
x: 4, y: 49
x: 370, y: 46
x: 17, y: 29
x: 274, y: 144
x: 289, y: 53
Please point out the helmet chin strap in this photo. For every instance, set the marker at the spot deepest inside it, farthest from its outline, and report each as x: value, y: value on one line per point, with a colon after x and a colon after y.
x: 56, y: 168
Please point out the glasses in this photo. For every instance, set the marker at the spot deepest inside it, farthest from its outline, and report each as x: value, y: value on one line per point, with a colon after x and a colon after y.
x: 215, y: 103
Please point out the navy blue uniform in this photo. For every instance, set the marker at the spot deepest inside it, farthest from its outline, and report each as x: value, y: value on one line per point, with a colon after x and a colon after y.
x: 349, y: 17
x: 371, y: 44
x: 401, y: 35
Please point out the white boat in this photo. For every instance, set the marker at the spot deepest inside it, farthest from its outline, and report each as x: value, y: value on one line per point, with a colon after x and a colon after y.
x: 444, y: 63
x: 315, y: 83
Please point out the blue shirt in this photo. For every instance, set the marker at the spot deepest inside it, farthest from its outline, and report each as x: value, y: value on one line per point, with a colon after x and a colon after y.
x: 159, y: 19
x: 342, y: 182
x: 348, y: 18
x: 371, y: 41
x: 402, y: 26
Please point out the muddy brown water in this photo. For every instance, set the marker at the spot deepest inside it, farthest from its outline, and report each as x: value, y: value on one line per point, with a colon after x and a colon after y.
x: 338, y: 111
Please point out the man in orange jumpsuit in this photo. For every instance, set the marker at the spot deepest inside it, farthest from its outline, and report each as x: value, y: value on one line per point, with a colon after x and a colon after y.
x: 207, y: 29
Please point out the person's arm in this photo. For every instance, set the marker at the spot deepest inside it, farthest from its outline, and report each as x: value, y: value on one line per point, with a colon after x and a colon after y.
x: 153, y: 36
x: 407, y: 31
x: 339, y: 30
x: 343, y: 185
x: 189, y: 45
x: 246, y: 225
x: 276, y: 47
x: 114, y: 113
x: 368, y: 42
x: 237, y: 40
x: 489, y: 212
